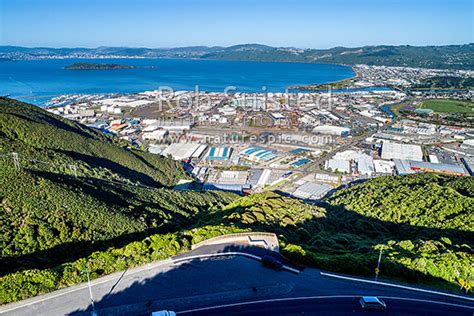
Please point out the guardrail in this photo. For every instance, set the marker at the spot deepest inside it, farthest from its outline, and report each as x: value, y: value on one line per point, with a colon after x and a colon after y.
x: 233, y: 253
x: 268, y: 240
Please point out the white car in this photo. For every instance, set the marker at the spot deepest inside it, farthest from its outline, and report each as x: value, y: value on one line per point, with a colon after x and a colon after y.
x: 372, y: 303
x: 163, y: 313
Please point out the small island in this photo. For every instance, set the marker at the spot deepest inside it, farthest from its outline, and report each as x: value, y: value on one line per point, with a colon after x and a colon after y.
x: 92, y: 66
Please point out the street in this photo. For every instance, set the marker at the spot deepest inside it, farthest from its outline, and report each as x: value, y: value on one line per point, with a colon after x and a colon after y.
x: 200, y: 283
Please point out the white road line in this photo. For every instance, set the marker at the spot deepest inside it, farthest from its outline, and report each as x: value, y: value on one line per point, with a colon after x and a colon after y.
x: 265, y: 301
x: 396, y: 285
x: 285, y: 299
x: 425, y: 301
x: 105, y: 279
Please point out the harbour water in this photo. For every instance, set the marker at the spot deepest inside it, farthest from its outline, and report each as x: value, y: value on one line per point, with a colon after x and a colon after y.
x: 36, y: 81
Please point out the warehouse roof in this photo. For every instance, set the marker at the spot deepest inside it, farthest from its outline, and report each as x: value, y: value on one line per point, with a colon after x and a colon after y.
x: 392, y: 150
x: 180, y: 151
x: 311, y: 190
x: 220, y: 153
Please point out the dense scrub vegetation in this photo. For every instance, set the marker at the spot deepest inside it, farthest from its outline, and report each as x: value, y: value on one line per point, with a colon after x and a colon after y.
x: 425, y: 200
x: 38, y: 135
x: 327, y: 236
x: 93, y: 66
x: 54, y: 223
x: 50, y: 213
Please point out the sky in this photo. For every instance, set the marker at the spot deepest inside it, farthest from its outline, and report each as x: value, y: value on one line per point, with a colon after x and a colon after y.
x: 175, y: 23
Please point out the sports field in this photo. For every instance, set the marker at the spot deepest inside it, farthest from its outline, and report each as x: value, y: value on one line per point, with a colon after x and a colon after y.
x: 448, y: 106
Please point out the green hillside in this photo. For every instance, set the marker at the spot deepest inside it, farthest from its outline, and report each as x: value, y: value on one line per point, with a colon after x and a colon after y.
x: 443, y: 57
x: 118, y: 211
x: 37, y: 134
x: 51, y: 213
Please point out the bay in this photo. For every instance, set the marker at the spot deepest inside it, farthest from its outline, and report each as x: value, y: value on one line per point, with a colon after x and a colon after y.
x: 36, y: 81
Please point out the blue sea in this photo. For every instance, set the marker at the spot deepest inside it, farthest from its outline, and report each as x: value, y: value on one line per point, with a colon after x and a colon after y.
x: 36, y: 81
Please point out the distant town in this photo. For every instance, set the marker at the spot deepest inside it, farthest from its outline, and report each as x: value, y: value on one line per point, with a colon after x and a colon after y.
x: 303, y: 143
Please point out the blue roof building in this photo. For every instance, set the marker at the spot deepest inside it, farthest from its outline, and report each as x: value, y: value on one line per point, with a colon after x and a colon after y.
x: 220, y: 153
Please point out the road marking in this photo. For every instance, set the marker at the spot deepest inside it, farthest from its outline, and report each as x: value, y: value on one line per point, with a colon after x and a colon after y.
x: 396, y: 285
x: 104, y: 279
x: 285, y: 299
x: 425, y: 301
x: 231, y: 254
x: 264, y: 301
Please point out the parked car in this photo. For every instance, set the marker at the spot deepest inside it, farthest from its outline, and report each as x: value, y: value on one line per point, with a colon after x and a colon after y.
x: 163, y: 313
x: 372, y: 303
x: 271, y: 262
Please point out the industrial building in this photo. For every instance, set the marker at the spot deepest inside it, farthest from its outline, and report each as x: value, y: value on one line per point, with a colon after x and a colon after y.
x: 158, y: 135
x: 229, y: 177
x: 311, y: 191
x: 219, y: 153
x: 401, y: 151
x: 300, y: 162
x: 412, y: 166
x: 468, y: 146
x: 260, y: 178
x: 258, y: 154
x: 168, y: 124
x: 383, y: 166
x: 332, y: 130
x: 198, y: 153
x: 437, y: 167
x: 338, y: 165
x: 235, y: 188
x: 403, y: 167
x: 365, y: 165
x: 181, y: 151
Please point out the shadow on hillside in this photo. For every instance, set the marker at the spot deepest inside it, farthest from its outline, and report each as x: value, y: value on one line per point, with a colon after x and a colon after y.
x: 343, y: 240
x: 144, y: 161
x: 125, y: 172
x: 110, y: 194
x: 48, y: 119
x: 66, y: 252
x: 340, y: 241
x: 200, y: 283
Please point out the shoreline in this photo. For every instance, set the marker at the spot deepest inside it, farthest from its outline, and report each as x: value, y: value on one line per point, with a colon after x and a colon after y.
x: 321, y: 86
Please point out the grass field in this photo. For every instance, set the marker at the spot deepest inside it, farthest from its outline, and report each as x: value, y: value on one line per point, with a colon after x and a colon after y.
x: 448, y: 106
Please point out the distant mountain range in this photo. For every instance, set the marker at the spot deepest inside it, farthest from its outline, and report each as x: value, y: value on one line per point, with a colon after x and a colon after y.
x: 443, y: 57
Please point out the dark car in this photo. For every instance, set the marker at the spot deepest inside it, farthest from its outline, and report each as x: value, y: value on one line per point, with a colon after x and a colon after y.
x: 372, y: 303
x: 271, y: 262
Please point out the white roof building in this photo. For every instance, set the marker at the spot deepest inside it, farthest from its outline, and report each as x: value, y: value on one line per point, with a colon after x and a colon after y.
x: 181, y: 151
x: 311, y: 191
x: 338, y: 165
x: 155, y: 135
x: 331, y: 130
x: 384, y: 166
x: 365, y: 165
x: 233, y: 177
x: 401, y: 151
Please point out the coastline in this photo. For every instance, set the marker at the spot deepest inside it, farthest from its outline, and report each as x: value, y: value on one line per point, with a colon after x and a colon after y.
x: 326, y: 85
x: 151, y: 73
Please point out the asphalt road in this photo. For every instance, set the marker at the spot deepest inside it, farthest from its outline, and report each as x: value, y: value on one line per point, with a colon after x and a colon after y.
x: 201, y: 283
x: 243, y: 248
x: 334, y: 306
